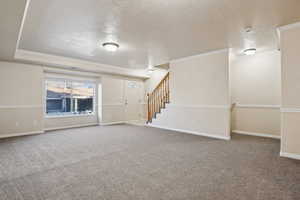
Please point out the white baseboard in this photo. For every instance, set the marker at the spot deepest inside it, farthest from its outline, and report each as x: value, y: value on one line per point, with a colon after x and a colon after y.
x: 191, y: 132
x: 74, y: 126
x: 132, y: 122
x: 111, y: 123
x: 137, y: 122
x: 21, y: 134
x: 290, y: 155
x: 256, y: 134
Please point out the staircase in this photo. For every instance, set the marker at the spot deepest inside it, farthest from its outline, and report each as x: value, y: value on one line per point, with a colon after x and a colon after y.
x: 158, y: 99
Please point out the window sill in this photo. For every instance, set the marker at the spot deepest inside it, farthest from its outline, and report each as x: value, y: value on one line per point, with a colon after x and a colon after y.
x: 69, y: 116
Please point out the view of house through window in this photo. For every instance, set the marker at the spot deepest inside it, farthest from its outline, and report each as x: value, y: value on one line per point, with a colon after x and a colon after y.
x: 68, y: 97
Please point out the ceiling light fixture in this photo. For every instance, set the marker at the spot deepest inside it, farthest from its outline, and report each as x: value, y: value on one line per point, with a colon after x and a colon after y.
x: 150, y: 69
x: 250, y: 51
x: 110, y: 46
x: 249, y: 30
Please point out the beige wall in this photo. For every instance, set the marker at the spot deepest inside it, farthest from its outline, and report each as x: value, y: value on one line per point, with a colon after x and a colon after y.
x: 155, y: 77
x: 111, y: 108
x: 256, y: 90
x: 21, y: 110
x: 290, y: 116
x: 22, y: 103
x: 199, y: 96
x: 251, y: 120
x: 53, y: 123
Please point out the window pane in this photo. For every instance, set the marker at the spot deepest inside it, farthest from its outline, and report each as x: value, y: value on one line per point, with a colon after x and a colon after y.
x: 66, y: 97
x: 58, y: 97
x: 83, y: 97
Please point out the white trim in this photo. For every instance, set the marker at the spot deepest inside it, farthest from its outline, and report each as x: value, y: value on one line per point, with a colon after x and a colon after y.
x: 80, y: 65
x: 21, y: 106
x: 257, y: 134
x: 65, y: 80
x: 63, y: 73
x: 199, y: 55
x: 289, y: 26
x: 191, y: 132
x: 290, y: 110
x: 278, y: 34
x: 22, y: 24
x: 141, y: 122
x: 257, y: 106
x: 21, y: 134
x: 112, y: 123
x: 69, y: 116
x: 122, y: 104
x: 290, y: 155
x: 114, y: 104
x: 68, y: 127
x: 200, y: 106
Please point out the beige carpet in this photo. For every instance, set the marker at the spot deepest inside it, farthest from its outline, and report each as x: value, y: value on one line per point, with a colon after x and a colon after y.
x: 130, y: 162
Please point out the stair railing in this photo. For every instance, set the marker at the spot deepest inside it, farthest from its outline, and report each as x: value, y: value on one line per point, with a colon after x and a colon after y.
x: 158, y: 99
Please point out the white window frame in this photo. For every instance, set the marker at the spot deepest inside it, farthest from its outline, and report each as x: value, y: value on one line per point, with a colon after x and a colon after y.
x: 70, y: 80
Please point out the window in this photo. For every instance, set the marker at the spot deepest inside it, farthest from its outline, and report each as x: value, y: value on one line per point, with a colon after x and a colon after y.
x: 68, y: 97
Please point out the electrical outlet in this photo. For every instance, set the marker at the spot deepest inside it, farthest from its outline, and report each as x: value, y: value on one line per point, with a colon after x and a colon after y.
x: 17, y: 124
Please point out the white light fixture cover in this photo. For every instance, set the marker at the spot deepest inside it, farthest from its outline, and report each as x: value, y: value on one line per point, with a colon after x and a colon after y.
x: 150, y: 70
x: 250, y: 51
x: 110, y: 46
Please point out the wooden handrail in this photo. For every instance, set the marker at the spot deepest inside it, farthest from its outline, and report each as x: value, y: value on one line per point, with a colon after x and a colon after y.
x: 165, y: 77
x: 158, y: 98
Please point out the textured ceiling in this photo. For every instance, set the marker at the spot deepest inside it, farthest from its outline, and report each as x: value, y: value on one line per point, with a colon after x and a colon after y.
x: 152, y: 32
x: 11, y: 12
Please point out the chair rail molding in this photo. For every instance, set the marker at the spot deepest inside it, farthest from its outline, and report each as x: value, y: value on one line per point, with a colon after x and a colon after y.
x: 20, y: 106
x: 257, y: 106
x: 290, y: 110
x: 204, y: 106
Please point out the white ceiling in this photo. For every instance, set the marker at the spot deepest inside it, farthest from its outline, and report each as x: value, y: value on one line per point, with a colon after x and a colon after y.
x: 149, y: 32
x: 11, y: 13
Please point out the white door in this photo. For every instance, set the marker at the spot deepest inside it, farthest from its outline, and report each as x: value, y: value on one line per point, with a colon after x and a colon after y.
x: 133, y: 100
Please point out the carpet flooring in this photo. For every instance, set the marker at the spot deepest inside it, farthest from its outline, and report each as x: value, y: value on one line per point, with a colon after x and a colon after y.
x: 130, y: 162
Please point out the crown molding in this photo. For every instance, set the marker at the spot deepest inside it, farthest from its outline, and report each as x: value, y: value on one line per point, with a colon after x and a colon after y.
x: 51, y: 70
x: 79, y: 65
x: 199, y: 55
x: 289, y: 26
x: 22, y: 23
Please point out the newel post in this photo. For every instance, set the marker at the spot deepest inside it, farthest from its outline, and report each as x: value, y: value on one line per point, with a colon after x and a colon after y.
x: 148, y: 105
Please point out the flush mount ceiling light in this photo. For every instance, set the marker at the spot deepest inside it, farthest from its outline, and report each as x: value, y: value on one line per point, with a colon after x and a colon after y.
x: 110, y: 46
x: 150, y: 70
x: 250, y: 51
x: 249, y: 30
